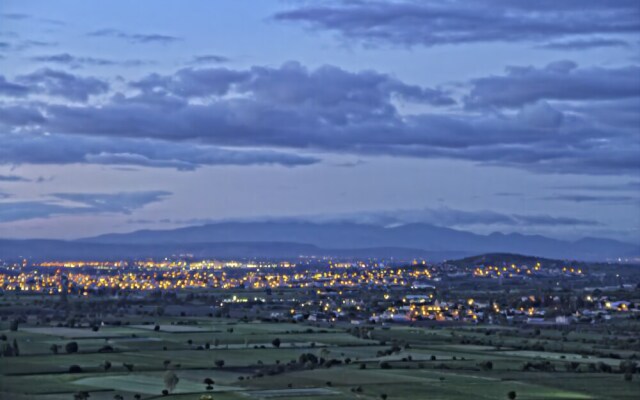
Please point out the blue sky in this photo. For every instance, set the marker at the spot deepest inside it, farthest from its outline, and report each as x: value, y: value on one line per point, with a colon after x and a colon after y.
x: 490, y: 116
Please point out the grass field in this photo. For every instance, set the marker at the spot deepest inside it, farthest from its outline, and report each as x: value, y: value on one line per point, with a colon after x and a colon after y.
x: 400, y: 362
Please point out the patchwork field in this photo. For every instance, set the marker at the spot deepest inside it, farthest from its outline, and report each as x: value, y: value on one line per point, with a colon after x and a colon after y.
x: 229, y: 358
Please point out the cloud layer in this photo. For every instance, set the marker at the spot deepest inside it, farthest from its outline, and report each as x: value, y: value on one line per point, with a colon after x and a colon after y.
x: 431, y: 23
x: 79, y: 204
x: 559, y: 118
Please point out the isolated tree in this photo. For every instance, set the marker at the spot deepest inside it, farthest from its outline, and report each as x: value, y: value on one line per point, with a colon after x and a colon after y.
x: 170, y: 380
x: 512, y: 395
x: 13, y: 325
x: 54, y: 348
x: 219, y: 363
x: 129, y: 367
x: 486, y: 365
x: 71, y: 347
x: 106, y: 365
x: 209, y: 382
x: 383, y: 396
x: 276, y: 343
x: 16, y: 349
x: 75, y: 369
x: 81, y: 395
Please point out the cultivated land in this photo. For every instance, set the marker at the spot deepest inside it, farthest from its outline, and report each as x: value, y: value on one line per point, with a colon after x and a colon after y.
x: 134, y: 344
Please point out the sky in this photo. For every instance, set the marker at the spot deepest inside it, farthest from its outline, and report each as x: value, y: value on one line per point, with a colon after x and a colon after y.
x: 485, y: 116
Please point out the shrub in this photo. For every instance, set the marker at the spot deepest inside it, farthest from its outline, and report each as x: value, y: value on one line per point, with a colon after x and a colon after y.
x: 75, y: 369
x: 71, y: 347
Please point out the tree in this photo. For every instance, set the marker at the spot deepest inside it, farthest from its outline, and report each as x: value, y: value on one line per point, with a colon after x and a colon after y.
x: 512, y: 395
x: 276, y: 343
x: 170, y: 380
x: 129, y: 367
x: 75, y: 369
x: 16, y: 349
x: 54, y: 348
x: 219, y: 363
x: 106, y: 365
x: 71, y: 347
x: 486, y: 365
x: 13, y: 326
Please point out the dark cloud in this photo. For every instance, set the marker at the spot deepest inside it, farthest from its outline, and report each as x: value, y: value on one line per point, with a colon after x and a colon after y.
x: 21, y: 45
x: 79, y: 204
x: 20, y: 116
x: 24, y: 17
x: 332, y: 110
x: 63, y: 84
x: 21, y: 148
x: 602, y: 187
x: 561, y: 80
x: 430, y: 23
x: 135, y: 37
x: 293, y: 84
x: 13, y: 178
x: 12, y: 89
x: 584, y: 44
x: 16, y: 16
x: 209, y: 59
x: 584, y: 198
x: 68, y: 59
x: 79, y: 62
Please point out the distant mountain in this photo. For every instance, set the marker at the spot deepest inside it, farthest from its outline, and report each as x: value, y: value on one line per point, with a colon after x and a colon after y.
x: 76, y: 250
x: 292, y: 239
x: 336, y: 236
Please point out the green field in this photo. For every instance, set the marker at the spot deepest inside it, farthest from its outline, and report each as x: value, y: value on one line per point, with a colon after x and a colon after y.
x: 401, y: 362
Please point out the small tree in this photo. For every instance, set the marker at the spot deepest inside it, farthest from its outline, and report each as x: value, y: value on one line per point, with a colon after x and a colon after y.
x: 75, y: 369
x: 170, y: 380
x: 71, y: 347
x: 13, y: 326
x: 276, y: 343
x: 54, y: 348
x: 219, y: 363
x: 512, y: 395
x: 16, y: 349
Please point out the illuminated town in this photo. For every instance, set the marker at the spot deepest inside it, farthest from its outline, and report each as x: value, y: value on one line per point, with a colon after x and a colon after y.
x: 337, y: 290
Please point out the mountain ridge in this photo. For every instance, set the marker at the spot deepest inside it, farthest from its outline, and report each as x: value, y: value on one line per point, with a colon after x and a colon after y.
x: 347, y: 235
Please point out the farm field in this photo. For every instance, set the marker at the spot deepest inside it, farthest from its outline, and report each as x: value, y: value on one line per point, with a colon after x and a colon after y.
x: 256, y: 359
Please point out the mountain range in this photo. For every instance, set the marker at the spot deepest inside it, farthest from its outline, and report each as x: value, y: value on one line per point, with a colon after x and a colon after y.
x: 290, y: 239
